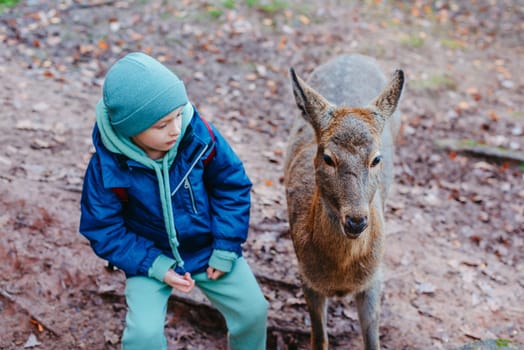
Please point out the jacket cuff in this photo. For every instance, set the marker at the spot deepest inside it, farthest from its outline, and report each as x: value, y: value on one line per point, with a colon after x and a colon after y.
x: 222, y: 260
x: 160, y: 266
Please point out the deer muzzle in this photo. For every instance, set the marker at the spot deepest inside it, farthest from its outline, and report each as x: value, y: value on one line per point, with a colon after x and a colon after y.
x: 354, y: 226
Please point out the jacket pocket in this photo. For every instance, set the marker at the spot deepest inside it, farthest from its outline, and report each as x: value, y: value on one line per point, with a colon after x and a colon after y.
x: 187, y: 186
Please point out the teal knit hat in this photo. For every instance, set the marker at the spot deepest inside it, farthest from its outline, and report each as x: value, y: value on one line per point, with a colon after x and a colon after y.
x: 138, y: 91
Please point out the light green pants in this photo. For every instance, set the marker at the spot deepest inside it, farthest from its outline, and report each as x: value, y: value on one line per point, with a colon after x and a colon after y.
x: 236, y: 295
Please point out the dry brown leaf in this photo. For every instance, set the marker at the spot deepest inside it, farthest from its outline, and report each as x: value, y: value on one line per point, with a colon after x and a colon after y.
x: 283, y: 42
x: 493, y: 115
x: 103, y: 45
x: 136, y: 36
x: 48, y: 74
x: 474, y: 93
x: 25, y: 124
x: 40, y: 144
x: 85, y: 49
x: 304, y: 20
x: 251, y: 77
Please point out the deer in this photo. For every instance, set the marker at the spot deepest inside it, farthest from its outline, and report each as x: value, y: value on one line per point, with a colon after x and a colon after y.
x: 338, y: 169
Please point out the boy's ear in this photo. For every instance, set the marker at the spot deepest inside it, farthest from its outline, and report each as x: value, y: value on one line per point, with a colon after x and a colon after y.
x: 314, y: 106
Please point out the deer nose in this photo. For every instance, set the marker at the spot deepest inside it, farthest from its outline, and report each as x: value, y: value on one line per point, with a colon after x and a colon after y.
x: 355, y: 225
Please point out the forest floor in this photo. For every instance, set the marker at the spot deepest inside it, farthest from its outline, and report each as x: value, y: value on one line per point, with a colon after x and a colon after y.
x: 454, y: 260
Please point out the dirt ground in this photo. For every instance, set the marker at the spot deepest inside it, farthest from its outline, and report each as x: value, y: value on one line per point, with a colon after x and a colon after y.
x: 454, y: 267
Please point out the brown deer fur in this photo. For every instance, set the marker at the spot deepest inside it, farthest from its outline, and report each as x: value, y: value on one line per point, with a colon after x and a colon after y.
x: 339, y: 166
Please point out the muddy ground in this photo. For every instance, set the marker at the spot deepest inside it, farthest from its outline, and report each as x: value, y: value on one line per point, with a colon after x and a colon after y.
x: 454, y: 270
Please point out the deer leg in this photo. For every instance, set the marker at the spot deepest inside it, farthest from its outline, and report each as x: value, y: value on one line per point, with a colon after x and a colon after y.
x: 368, y: 306
x: 317, y: 306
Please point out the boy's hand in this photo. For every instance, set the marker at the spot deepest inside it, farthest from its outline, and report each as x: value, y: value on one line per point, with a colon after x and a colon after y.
x: 182, y: 283
x: 214, y: 274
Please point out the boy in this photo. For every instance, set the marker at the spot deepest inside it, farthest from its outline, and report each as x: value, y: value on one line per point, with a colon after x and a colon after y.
x: 166, y: 200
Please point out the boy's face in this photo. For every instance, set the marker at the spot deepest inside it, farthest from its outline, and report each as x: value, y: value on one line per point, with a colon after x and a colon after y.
x: 160, y: 137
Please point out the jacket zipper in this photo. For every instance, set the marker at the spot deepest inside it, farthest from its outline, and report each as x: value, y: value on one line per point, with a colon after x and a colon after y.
x: 187, y: 185
x: 190, y: 169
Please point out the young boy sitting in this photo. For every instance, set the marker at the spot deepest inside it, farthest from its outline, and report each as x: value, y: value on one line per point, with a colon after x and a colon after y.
x: 166, y: 200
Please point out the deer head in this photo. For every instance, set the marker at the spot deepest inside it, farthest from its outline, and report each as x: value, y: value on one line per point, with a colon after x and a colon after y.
x: 348, y: 161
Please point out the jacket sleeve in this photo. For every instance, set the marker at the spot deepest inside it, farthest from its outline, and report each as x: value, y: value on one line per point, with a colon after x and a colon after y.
x: 229, y: 196
x: 102, y: 223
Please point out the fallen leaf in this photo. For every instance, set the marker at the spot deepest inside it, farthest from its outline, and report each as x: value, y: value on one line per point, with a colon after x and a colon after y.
x: 136, y: 36
x: 40, y: 144
x: 425, y: 288
x: 4, y: 219
x: 54, y: 40
x: 261, y: 70
x: 210, y: 48
x: 85, y: 49
x: 303, y: 19
x: 475, y: 239
x: 493, y: 115
x: 251, y: 77
x: 25, y: 124
x: 283, y: 42
x: 272, y: 86
x: 5, y: 161
x: 474, y: 93
x: 31, y: 342
x: 462, y: 106
x: 111, y: 337
x: 40, y: 107
x: 103, y: 45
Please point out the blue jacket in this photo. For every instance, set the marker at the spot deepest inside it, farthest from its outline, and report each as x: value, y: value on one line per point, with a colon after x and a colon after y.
x: 211, y: 204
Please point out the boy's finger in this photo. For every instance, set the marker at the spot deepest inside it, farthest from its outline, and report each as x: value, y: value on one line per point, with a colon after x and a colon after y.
x: 180, y: 281
x: 211, y: 272
x: 187, y: 277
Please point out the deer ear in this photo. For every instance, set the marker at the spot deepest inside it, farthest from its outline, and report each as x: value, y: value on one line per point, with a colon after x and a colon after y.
x: 386, y: 103
x: 314, y: 106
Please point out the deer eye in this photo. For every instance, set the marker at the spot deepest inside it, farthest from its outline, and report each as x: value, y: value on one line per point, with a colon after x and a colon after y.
x: 376, y: 161
x: 328, y: 160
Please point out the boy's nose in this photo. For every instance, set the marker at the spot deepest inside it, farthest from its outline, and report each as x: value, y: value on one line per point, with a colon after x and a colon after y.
x: 175, y: 129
